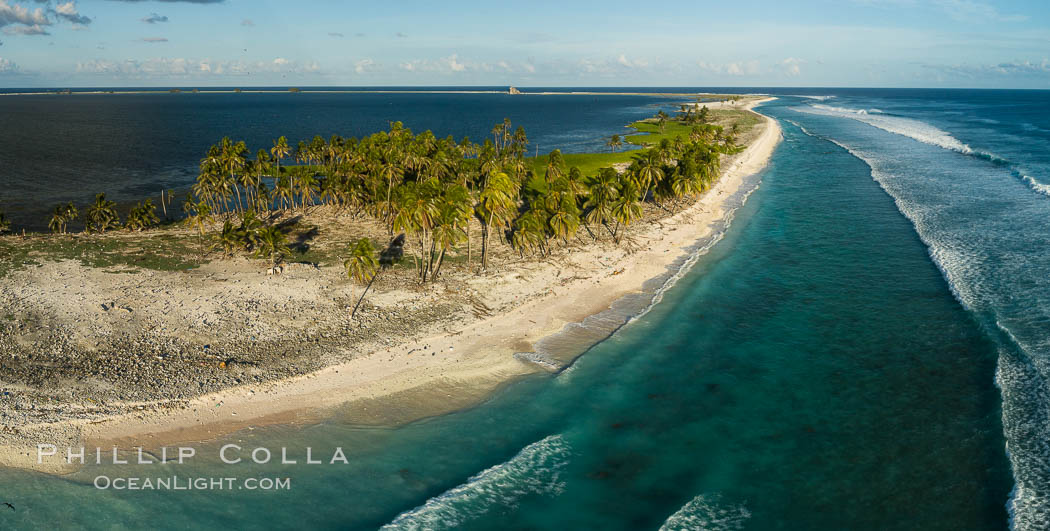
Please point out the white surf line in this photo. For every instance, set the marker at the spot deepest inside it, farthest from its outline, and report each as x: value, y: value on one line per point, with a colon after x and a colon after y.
x: 536, y: 469
x: 708, y: 513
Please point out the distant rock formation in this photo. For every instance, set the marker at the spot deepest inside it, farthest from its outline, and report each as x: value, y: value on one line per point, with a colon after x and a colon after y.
x: 514, y: 91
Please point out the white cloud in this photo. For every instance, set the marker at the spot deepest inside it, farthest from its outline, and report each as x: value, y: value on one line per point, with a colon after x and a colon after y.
x: 1037, y: 69
x: 970, y: 10
x: 16, y: 19
x: 7, y: 67
x: 365, y: 65
x: 35, y: 29
x: 637, y: 63
x: 448, y: 65
x: 68, y: 11
x: 164, y: 67
x: 791, y: 66
x: 454, y: 64
x: 736, y: 68
x: 19, y: 14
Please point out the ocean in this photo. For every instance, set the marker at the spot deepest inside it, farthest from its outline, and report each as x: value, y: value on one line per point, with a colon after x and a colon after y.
x: 60, y: 148
x: 866, y: 347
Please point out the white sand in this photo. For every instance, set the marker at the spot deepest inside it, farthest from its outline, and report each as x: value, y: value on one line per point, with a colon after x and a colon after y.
x: 446, y: 371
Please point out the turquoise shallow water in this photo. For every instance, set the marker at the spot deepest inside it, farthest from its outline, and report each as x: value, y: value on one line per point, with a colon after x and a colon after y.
x: 812, y: 371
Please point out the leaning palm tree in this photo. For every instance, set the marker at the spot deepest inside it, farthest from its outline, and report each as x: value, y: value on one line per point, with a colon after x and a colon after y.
x: 614, y: 143
x: 362, y: 267
x: 102, y: 215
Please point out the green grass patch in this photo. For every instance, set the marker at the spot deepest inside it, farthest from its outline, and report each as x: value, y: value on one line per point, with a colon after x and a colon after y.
x: 160, y: 252
x: 652, y: 135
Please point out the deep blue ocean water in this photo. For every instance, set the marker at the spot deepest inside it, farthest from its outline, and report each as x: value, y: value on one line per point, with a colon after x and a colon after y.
x: 866, y: 348
x: 60, y: 148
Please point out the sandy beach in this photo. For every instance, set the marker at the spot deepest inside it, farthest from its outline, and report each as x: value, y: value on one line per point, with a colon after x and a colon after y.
x: 447, y: 368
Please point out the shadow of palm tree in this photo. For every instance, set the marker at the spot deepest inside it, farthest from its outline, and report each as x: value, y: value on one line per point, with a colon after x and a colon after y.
x: 286, y: 225
x: 302, y: 241
x: 393, y: 252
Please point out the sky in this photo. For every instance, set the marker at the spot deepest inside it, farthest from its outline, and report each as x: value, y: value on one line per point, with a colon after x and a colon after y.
x: 742, y: 43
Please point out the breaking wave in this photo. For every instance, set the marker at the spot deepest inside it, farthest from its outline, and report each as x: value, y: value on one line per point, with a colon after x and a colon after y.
x: 537, y: 469
x: 923, y: 132
x: 709, y: 513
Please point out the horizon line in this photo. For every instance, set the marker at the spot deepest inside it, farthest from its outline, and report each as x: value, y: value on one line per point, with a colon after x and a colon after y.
x: 492, y: 87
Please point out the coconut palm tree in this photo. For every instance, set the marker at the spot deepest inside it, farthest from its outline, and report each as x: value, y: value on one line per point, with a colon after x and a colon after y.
x: 272, y: 245
x: 661, y: 120
x: 600, y: 196
x: 142, y: 216
x: 200, y: 217
x: 362, y: 267
x: 555, y: 166
x: 308, y: 186
x: 627, y: 207
x: 62, y: 216
x: 283, y: 192
x: 565, y: 220
x: 390, y: 171
x: 362, y: 264
x: 454, y: 210
x: 648, y: 171
x: 417, y: 213
x: 530, y: 233
x: 58, y: 222
x: 614, y: 142
x: 102, y: 215
x: 229, y: 239
x: 498, y: 202
x: 233, y: 159
x: 279, y: 151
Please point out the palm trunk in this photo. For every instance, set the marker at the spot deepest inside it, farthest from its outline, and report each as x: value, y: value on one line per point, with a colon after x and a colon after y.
x: 236, y: 190
x: 363, y: 293
x: 437, y: 269
x: 484, y: 246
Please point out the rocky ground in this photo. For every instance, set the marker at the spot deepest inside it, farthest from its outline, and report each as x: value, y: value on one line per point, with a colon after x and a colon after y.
x: 97, y: 325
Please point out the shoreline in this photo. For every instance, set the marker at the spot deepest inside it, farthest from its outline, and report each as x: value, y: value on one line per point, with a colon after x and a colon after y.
x: 401, y: 384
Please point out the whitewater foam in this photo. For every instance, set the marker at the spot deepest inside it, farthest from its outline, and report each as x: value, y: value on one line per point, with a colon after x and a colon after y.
x: 1019, y: 376
x: 818, y: 98
x: 537, y: 469
x: 709, y: 513
x: 915, y: 129
x: 1036, y: 185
